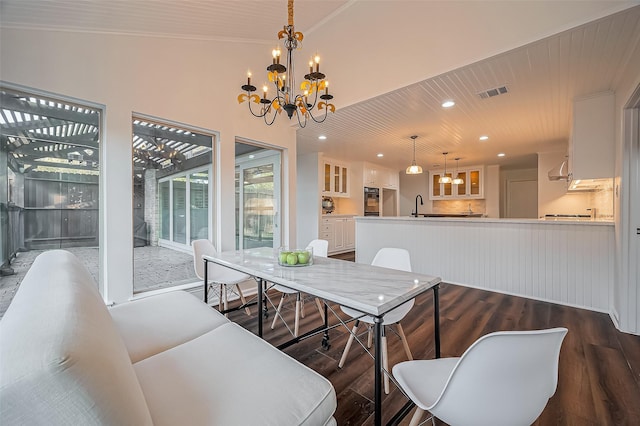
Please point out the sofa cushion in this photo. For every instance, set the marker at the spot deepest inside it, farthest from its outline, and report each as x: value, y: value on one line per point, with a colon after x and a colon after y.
x: 62, y: 361
x: 154, y: 324
x: 228, y: 376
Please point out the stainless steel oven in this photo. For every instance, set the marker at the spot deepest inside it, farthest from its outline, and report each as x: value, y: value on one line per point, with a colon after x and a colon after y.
x: 371, y: 201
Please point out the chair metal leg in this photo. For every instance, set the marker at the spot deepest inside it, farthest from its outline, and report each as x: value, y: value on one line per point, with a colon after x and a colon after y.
x: 415, y: 420
x: 301, y: 305
x: 403, y: 338
x: 275, y: 317
x: 354, y: 330
x: 220, y: 298
x: 243, y: 300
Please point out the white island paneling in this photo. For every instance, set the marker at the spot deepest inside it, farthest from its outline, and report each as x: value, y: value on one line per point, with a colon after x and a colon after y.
x: 563, y: 262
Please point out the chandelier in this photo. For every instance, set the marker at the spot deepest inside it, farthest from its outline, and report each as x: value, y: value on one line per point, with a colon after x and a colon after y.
x: 414, y: 169
x: 283, y: 78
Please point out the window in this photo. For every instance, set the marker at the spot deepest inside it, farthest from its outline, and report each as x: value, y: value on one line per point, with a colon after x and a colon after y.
x: 172, y: 167
x: 50, y: 170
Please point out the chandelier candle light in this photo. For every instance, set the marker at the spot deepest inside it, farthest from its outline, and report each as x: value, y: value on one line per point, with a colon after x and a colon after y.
x: 444, y: 178
x: 283, y: 78
x: 414, y: 169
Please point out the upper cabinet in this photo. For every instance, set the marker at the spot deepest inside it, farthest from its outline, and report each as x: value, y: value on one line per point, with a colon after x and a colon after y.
x: 472, y: 186
x: 370, y: 176
x: 591, y: 146
x: 380, y: 177
x: 336, y: 179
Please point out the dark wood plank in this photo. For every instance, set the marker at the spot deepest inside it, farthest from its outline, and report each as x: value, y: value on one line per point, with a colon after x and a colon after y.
x: 599, y: 375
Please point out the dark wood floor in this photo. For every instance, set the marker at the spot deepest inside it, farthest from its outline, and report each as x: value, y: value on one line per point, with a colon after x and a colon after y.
x: 599, y: 379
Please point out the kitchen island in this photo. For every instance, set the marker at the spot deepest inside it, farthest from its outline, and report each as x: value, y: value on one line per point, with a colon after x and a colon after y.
x: 567, y: 262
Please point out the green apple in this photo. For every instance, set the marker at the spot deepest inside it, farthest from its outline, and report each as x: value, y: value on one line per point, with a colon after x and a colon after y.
x: 283, y: 257
x: 303, y: 257
x: 292, y: 259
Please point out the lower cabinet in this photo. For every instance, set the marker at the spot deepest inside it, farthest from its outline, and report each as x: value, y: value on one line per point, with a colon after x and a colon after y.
x: 340, y: 232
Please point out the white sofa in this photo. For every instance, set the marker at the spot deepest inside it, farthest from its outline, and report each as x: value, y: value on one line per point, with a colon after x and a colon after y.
x: 65, y: 359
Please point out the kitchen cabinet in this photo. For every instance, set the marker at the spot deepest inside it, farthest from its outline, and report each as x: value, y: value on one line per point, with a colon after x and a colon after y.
x: 390, y: 179
x: 336, y: 179
x: 350, y: 233
x: 380, y: 177
x: 370, y: 177
x: 339, y: 232
x: 472, y: 186
x: 591, y: 146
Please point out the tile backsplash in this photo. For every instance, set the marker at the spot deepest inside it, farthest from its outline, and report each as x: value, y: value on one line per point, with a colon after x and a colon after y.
x: 458, y: 206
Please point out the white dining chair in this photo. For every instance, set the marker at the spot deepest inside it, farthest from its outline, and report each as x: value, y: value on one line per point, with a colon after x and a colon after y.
x: 320, y: 248
x: 393, y: 258
x: 217, y: 275
x: 504, y: 378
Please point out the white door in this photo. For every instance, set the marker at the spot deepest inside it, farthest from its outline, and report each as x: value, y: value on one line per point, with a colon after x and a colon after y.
x: 258, y: 200
x: 522, y: 199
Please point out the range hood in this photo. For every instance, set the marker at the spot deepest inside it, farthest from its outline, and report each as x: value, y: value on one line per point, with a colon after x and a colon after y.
x: 559, y: 172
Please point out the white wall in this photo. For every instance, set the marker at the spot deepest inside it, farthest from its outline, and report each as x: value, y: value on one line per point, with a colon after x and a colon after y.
x: 308, y: 198
x: 626, y: 289
x: 492, y: 191
x: 188, y: 81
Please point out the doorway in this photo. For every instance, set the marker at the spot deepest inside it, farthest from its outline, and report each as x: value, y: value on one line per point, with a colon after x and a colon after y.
x: 258, y: 196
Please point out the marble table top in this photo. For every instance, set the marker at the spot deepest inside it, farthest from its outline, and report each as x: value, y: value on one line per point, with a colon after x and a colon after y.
x: 369, y: 289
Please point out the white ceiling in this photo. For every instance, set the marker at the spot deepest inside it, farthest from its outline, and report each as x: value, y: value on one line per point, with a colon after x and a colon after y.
x: 391, y: 64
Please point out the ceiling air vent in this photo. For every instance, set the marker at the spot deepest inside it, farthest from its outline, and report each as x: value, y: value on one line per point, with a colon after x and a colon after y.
x: 490, y: 93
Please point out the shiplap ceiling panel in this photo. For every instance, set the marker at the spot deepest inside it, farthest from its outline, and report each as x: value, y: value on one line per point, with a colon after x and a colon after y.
x: 542, y: 77
x: 255, y: 21
x: 535, y: 115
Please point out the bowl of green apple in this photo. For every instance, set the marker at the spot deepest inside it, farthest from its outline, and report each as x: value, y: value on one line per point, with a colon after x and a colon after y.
x: 299, y: 257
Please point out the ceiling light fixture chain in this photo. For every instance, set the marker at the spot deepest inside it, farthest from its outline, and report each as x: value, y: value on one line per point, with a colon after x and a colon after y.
x: 283, y: 78
x: 414, y: 169
x: 457, y: 180
x: 444, y: 178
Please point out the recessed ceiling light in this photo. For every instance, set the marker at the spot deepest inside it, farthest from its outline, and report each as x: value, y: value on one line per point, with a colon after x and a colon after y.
x: 501, y: 154
x: 448, y: 104
x: 252, y: 156
x: 381, y: 155
x: 484, y: 138
x: 322, y: 137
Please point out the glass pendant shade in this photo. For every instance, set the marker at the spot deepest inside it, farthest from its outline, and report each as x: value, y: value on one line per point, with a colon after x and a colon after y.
x: 414, y: 169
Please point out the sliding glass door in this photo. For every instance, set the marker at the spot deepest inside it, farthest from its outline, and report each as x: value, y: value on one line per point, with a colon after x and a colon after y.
x: 258, y: 198
x: 184, y: 208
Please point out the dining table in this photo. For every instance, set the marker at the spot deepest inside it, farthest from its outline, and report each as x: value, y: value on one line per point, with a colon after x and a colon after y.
x: 368, y: 289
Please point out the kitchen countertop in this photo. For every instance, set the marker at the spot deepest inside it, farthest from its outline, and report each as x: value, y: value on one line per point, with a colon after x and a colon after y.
x: 478, y: 220
x: 338, y: 215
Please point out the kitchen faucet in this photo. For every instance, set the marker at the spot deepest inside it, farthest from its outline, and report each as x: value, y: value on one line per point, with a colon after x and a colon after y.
x: 421, y: 203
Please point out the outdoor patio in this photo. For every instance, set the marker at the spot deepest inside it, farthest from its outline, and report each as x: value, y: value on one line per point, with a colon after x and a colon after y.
x: 154, y: 268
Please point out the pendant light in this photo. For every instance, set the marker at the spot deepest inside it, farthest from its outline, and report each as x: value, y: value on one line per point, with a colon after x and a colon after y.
x: 457, y: 180
x: 414, y: 169
x: 444, y: 178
